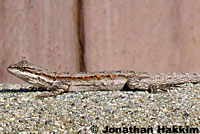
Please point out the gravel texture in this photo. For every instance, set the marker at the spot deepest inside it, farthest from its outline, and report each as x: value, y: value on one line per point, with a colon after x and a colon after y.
x: 90, y: 112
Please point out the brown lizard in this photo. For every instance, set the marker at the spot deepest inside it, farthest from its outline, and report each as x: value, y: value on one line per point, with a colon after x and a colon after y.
x: 58, y: 83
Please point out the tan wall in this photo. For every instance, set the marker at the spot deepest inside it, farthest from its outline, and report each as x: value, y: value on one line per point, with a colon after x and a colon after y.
x: 141, y: 35
x: 43, y: 32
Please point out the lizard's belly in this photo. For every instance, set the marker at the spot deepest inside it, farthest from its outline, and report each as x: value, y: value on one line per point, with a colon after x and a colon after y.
x: 98, y: 85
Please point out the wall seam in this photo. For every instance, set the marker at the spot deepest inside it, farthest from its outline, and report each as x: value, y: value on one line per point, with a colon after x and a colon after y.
x: 81, y: 37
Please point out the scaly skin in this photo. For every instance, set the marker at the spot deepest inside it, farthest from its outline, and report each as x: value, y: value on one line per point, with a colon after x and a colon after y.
x: 58, y: 83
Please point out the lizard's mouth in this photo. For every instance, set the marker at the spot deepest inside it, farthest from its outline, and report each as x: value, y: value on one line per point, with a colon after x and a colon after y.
x: 12, y: 70
x: 16, y: 68
x: 17, y: 72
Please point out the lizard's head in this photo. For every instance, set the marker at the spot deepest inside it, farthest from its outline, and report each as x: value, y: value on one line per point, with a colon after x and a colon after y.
x: 23, y: 69
x: 30, y: 73
x: 19, y: 69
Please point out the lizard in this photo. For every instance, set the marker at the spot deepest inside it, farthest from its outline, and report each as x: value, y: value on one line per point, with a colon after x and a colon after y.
x: 58, y: 83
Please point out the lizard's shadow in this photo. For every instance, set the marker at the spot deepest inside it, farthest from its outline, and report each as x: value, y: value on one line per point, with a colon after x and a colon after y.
x: 127, y: 89
x: 25, y: 90
x: 34, y: 89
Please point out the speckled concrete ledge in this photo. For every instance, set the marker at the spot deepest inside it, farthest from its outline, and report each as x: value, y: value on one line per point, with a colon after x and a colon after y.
x: 96, y: 112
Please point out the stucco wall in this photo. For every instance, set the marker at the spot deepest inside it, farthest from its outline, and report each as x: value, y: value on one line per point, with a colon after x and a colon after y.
x: 140, y: 35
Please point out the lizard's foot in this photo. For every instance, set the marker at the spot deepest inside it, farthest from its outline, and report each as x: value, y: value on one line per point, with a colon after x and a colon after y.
x: 158, y: 88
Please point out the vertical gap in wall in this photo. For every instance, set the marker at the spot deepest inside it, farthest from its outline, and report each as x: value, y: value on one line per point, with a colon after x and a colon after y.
x: 81, y: 37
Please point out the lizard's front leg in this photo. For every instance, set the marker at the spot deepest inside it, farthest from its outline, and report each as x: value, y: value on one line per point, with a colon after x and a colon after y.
x: 58, y: 87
